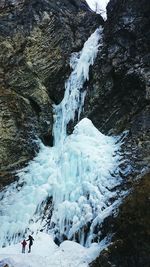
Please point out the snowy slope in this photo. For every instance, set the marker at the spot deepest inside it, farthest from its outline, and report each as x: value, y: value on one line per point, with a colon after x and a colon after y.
x: 46, y: 254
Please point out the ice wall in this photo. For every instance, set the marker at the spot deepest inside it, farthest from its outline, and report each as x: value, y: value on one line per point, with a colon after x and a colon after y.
x: 80, y: 173
x: 84, y: 191
x: 73, y: 100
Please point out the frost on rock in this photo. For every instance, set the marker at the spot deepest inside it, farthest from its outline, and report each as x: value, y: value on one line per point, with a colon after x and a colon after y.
x: 79, y: 174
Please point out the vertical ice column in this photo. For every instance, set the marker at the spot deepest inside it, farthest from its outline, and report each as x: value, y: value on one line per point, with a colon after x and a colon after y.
x: 73, y: 100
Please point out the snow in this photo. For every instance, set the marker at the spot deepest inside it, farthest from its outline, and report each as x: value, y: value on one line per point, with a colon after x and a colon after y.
x: 99, y: 6
x: 46, y: 253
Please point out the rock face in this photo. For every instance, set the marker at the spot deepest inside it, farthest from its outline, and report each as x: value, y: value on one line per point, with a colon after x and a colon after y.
x: 130, y: 244
x: 118, y: 100
x: 118, y: 92
x: 120, y: 79
x: 37, y: 39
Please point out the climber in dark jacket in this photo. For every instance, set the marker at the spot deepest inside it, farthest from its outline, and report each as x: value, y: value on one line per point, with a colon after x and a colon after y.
x: 30, y: 239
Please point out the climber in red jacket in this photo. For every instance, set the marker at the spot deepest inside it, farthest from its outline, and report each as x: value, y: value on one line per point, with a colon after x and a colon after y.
x: 24, y: 243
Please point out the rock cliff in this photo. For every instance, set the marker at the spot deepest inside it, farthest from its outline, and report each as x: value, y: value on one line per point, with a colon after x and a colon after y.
x: 37, y: 39
x: 118, y: 96
x: 118, y: 99
x: 130, y: 243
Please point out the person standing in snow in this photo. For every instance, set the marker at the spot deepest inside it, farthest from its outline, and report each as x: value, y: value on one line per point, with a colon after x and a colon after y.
x: 30, y: 239
x: 24, y: 243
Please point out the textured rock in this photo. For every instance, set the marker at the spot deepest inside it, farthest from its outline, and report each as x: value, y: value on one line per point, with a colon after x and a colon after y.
x: 120, y: 78
x: 130, y: 244
x: 37, y: 39
x: 118, y: 100
x: 118, y: 93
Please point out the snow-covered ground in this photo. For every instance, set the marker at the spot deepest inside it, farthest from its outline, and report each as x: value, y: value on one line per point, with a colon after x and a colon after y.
x: 45, y: 253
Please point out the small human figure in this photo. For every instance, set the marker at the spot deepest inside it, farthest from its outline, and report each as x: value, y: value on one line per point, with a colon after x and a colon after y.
x: 30, y: 239
x: 24, y: 243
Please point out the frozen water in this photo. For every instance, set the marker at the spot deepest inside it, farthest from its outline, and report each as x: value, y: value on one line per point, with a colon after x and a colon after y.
x: 73, y: 100
x: 75, y: 173
x: 78, y: 180
x: 87, y: 185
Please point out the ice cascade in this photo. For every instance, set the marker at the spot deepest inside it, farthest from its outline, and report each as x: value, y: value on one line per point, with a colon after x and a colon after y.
x: 79, y: 174
x: 74, y: 96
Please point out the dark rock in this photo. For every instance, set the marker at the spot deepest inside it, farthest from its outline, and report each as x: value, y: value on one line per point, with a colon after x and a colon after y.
x: 117, y: 100
x: 118, y: 93
x: 119, y: 84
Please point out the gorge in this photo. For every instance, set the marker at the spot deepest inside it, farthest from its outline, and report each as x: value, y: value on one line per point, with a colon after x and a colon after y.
x: 61, y: 173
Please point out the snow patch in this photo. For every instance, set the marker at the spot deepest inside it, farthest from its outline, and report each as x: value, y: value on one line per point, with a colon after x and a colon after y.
x: 99, y: 6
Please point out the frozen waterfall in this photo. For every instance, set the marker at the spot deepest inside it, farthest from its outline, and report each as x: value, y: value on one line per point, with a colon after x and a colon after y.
x: 79, y: 174
x: 73, y: 100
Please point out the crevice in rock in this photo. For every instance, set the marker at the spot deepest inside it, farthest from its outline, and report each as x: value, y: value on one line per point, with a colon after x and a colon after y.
x: 35, y: 106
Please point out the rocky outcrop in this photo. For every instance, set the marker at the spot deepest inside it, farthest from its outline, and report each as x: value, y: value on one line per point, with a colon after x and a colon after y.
x: 37, y: 39
x: 120, y: 79
x: 118, y: 100
x: 130, y: 243
x: 118, y: 92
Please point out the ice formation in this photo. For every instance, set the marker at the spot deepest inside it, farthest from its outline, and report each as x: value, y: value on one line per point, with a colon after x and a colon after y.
x: 99, y: 6
x: 79, y: 173
x: 73, y: 100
